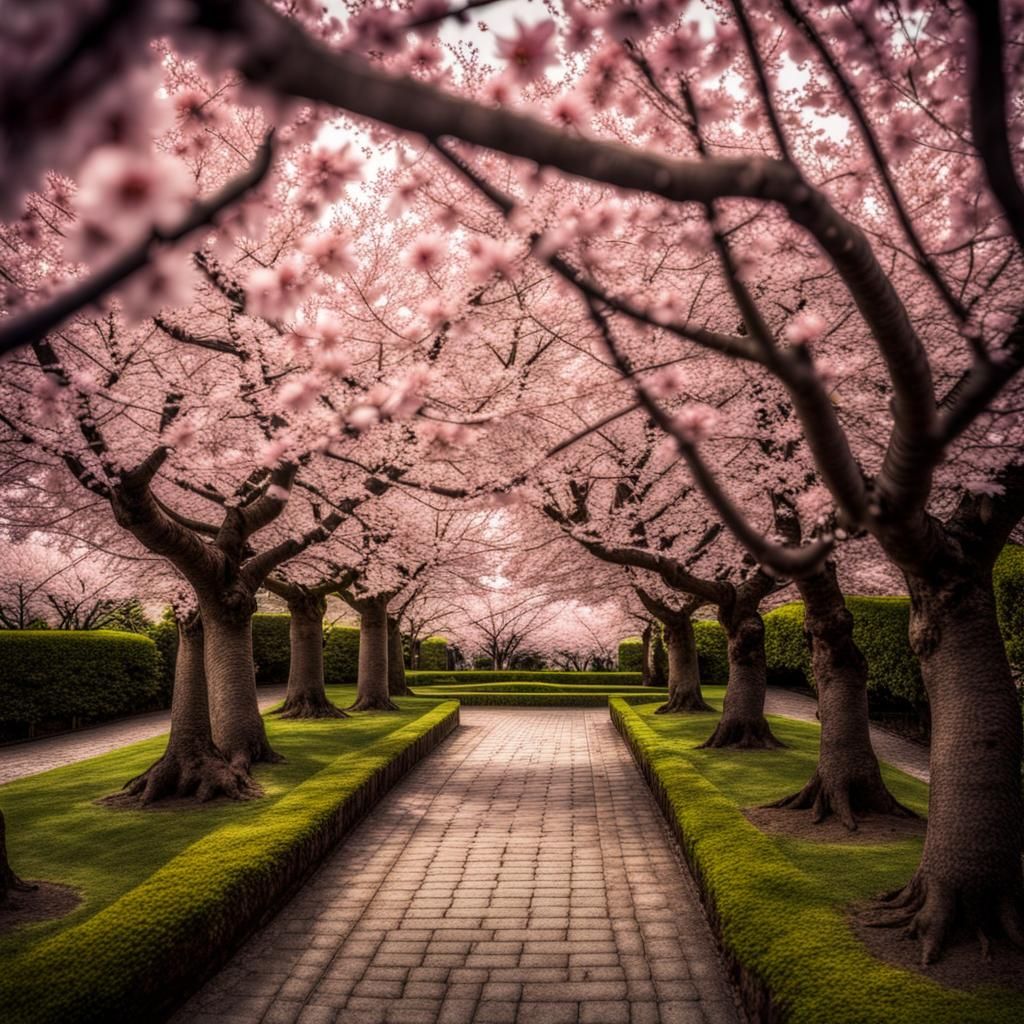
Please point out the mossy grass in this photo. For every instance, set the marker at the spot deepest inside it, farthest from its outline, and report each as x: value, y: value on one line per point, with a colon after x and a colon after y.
x: 780, y: 903
x: 158, y: 883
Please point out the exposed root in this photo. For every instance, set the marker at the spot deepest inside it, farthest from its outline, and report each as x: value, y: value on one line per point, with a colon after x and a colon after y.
x: 848, y: 798
x: 742, y: 734
x: 684, y: 704
x: 309, y: 706
x: 202, y: 775
x: 373, y: 704
x: 932, y: 913
x: 9, y: 881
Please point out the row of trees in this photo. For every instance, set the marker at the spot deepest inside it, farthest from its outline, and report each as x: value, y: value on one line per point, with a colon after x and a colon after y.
x: 729, y: 301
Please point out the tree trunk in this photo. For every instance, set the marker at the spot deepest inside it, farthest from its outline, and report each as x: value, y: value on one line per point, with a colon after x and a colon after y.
x: 414, y: 654
x: 9, y: 881
x: 684, y: 692
x: 191, y: 766
x: 646, y: 676
x: 743, y: 724
x: 397, y: 686
x: 970, y: 871
x: 372, y: 682
x: 238, y: 729
x: 847, y: 781
x: 305, y: 696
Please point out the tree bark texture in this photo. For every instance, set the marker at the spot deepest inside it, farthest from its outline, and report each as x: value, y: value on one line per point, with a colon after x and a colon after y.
x: 191, y: 766
x: 743, y: 724
x: 646, y: 676
x: 847, y: 781
x: 970, y: 873
x: 9, y: 881
x: 238, y: 728
x: 397, y: 686
x: 684, y: 693
x: 306, y: 696
x: 372, y: 680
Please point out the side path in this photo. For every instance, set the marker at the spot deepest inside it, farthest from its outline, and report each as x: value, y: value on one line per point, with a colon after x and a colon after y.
x: 40, y: 755
x: 909, y: 757
x: 521, y: 874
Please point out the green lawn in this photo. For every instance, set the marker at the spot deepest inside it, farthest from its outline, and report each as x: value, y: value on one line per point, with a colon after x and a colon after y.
x: 780, y: 901
x: 514, y: 687
x: 56, y: 830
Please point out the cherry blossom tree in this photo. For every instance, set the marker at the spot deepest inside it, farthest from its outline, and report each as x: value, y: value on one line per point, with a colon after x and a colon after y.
x: 841, y: 182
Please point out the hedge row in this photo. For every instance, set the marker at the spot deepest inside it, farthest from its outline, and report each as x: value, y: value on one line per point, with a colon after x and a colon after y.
x: 453, y: 680
x: 433, y: 654
x: 777, y: 904
x: 271, y: 650
x: 48, y: 675
x: 140, y: 955
x: 558, y: 699
x: 880, y: 627
x: 712, y: 654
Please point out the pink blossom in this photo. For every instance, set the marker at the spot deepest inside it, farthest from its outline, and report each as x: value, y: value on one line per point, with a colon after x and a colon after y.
x: 569, y: 111
x: 301, y: 393
x: 679, y: 51
x: 328, y: 171
x: 123, y: 194
x: 666, y: 382
x: 275, y: 292
x: 805, y: 328
x: 490, y: 256
x: 695, y: 422
x: 426, y: 253
x: 331, y: 252
x: 274, y: 451
x: 180, y: 434
x: 168, y: 280
x: 531, y: 51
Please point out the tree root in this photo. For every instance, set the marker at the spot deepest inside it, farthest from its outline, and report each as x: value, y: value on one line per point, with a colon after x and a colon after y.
x: 851, y: 797
x: 373, y: 704
x: 742, y: 734
x: 683, y: 704
x: 9, y: 881
x: 309, y: 707
x: 931, y: 913
x: 202, y: 775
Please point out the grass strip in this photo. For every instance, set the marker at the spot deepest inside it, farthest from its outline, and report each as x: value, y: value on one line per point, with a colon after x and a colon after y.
x: 145, y: 950
x: 778, y: 903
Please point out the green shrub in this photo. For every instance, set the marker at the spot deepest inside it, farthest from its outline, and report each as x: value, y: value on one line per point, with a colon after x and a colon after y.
x: 712, y: 652
x: 133, y: 958
x: 1008, y: 581
x: 631, y: 654
x: 341, y: 656
x: 433, y: 654
x: 165, y: 635
x: 453, y: 680
x: 778, y: 902
x: 271, y: 646
x: 59, y: 674
x: 880, y: 628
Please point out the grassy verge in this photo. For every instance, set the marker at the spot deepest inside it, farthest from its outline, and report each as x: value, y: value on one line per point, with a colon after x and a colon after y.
x: 168, y: 894
x: 458, y: 679
x: 543, y: 695
x: 778, y: 903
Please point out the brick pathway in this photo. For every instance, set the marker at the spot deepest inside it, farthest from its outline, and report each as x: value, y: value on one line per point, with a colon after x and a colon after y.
x: 22, y: 759
x: 909, y: 757
x: 522, y: 873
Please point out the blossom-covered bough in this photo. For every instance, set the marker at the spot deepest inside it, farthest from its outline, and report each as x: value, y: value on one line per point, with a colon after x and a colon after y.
x: 833, y: 198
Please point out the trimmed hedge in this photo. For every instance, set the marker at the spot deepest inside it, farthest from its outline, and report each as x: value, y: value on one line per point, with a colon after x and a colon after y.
x: 434, y: 654
x: 60, y: 674
x: 1008, y: 581
x: 777, y: 903
x: 452, y: 680
x: 271, y: 646
x: 341, y: 656
x: 712, y: 653
x: 139, y: 956
x: 483, y: 698
x: 165, y: 635
x: 880, y: 627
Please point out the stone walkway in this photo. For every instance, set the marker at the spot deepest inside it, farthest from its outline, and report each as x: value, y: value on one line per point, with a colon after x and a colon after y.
x: 22, y: 759
x: 522, y: 873
x: 909, y: 757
